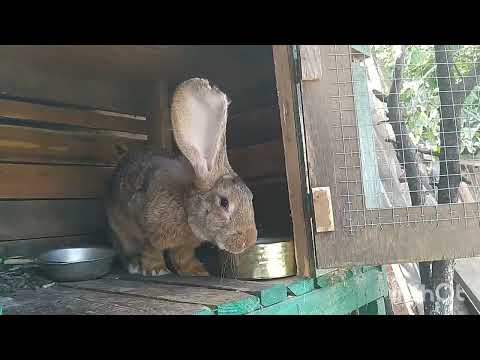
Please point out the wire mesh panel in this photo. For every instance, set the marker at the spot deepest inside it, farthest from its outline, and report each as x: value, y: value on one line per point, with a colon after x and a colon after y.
x: 401, y: 141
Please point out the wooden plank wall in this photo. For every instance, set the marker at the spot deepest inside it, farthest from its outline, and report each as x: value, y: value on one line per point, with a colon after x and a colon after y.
x: 56, y: 159
x: 55, y: 165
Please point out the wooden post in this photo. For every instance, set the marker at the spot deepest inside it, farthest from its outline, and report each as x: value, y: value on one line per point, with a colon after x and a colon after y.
x: 160, y: 135
x: 296, y: 172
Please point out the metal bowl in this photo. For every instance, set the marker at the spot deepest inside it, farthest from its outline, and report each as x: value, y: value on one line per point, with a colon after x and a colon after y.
x: 270, y: 258
x: 76, y: 264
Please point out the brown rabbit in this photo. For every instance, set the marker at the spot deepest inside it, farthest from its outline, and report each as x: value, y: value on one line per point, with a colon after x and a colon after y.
x: 164, y: 202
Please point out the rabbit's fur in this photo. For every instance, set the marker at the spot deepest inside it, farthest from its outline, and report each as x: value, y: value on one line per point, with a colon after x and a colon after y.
x: 162, y: 202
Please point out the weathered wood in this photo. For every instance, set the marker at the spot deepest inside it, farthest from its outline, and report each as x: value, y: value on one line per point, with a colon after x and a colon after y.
x: 295, y: 164
x: 311, y: 64
x: 22, y: 181
x: 367, y: 236
x: 50, y: 218
x: 160, y: 133
x: 267, y: 293
x: 328, y: 277
x: 340, y: 299
x: 67, y: 301
x: 254, y: 125
x: 296, y: 285
x: 22, y: 110
x: 467, y: 274
x: 36, y: 246
x: 222, y: 301
x: 376, y: 307
x: 322, y: 205
x: 319, y: 139
x: 119, y: 78
x: 29, y: 75
x: 31, y: 145
x: 262, y: 160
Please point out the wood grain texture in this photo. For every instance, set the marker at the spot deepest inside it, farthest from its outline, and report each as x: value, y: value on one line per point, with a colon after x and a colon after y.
x: 22, y: 181
x: 311, y: 64
x: 261, y: 160
x: 23, y: 110
x: 267, y: 293
x: 322, y: 205
x: 67, y: 301
x: 160, y: 133
x: 319, y: 143
x: 289, y: 115
x: 50, y: 218
x: 32, y: 145
x: 254, y: 125
x: 221, y: 301
x: 368, y: 236
x: 31, y: 72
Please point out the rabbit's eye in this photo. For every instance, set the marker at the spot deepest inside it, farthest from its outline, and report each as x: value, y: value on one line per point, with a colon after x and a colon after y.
x: 224, y: 202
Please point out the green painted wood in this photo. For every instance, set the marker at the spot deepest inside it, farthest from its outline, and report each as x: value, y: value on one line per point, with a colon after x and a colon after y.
x: 364, y: 49
x: 376, y: 307
x: 296, y: 285
x: 329, y: 278
x: 240, y: 307
x: 274, y: 295
x: 301, y: 286
x: 372, y: 185
x: 369, y: 268
x: 340, y: 299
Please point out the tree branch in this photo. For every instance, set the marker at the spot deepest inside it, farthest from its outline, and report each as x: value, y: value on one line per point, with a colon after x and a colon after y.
x: 380, y: 96
x: 465, y: 87
x: 406, y: 150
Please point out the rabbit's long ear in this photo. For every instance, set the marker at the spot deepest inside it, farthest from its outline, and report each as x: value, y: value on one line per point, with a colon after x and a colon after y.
x: 199, y: 120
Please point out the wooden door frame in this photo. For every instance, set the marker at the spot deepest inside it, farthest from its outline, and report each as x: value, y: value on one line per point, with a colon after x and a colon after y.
x: 365, y: 236
x: 287, y: 80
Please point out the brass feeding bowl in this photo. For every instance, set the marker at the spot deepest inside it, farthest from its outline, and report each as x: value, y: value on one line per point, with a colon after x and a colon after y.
x: 270, y: 258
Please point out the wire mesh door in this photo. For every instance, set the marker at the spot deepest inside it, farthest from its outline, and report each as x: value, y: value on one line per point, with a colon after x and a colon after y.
x: 393, y: 132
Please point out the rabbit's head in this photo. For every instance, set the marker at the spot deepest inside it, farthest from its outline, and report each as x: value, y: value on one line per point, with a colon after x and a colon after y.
x: 219, y: 206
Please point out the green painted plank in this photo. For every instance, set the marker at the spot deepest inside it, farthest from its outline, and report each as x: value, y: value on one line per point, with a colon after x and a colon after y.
x: 339, y: 299
x: 329, y: 278
x: 296, y: 285
x: 301, y: 286
x: 371, y: 267
x: 372, y: 185
x: 240, y: 307
x: 274, y: 295
x: 376, y: 307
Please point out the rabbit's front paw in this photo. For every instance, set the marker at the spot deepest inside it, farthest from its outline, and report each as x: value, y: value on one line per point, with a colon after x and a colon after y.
x: 134, y: 269
x: 155, y: 272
